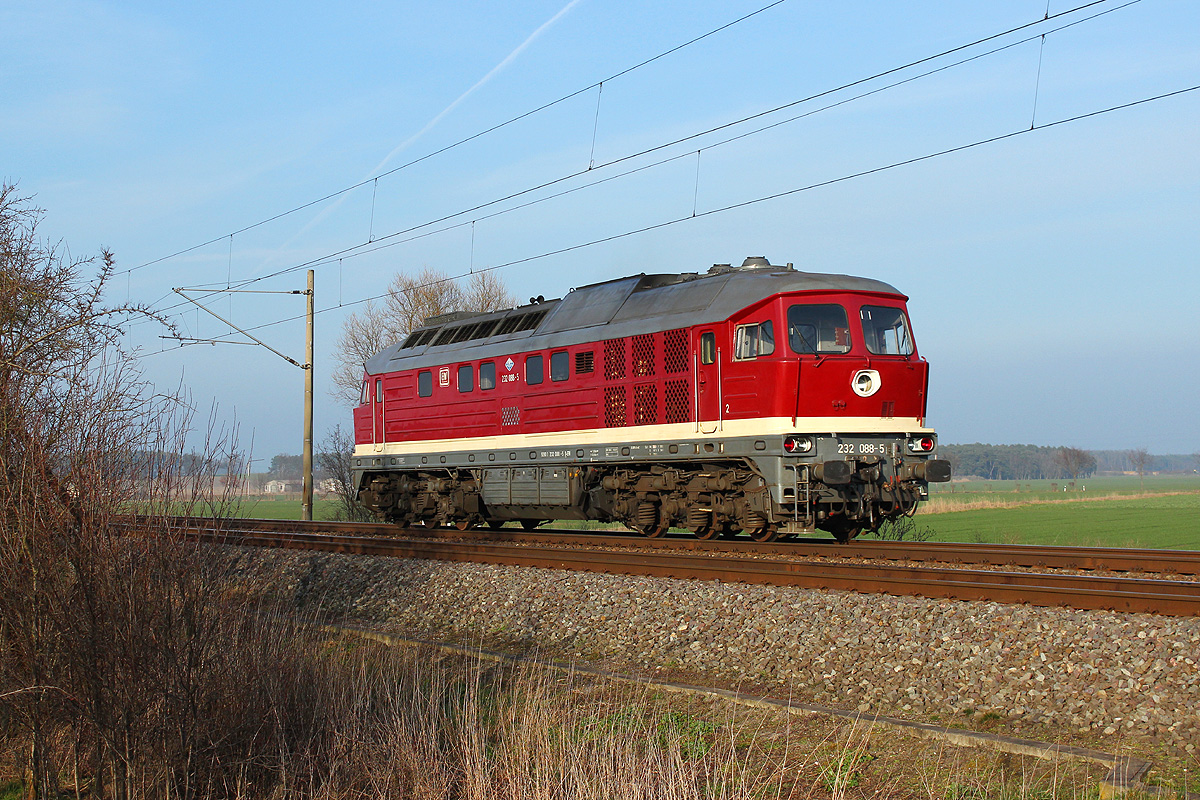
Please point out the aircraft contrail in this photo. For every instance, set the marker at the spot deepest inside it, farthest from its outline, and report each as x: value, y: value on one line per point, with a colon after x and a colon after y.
x: 495, y: 70
x: 428, y: 126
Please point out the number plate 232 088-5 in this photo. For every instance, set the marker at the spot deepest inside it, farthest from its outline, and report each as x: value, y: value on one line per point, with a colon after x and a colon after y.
x: 863, y: 448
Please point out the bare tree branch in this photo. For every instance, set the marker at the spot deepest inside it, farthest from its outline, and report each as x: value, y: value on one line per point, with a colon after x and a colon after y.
x: 411, y: 299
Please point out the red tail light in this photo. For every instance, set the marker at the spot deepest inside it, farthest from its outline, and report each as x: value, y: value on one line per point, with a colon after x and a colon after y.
x: 797, y: 444
x: 922, y: 444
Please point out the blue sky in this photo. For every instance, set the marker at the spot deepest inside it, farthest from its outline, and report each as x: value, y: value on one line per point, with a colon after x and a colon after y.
x: 1053, y: 275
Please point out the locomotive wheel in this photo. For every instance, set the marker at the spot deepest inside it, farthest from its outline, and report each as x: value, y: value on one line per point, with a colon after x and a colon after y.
x: 652, y: 531
x: 700, y: 523
x: 464, y: 524
x: 766, y: 533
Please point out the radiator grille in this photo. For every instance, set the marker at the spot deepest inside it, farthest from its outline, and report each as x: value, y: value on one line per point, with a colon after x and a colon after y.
x: 645, y: 404
x: 675, y: 351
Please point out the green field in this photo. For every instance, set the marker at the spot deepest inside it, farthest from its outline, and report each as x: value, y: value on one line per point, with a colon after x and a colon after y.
x: 1171, y: 521
x: 1161, y: 511
x: 254, y: 508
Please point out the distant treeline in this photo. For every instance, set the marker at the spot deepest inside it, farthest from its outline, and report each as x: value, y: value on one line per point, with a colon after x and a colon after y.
x: 1120, y: 461
x: 1028, y: 462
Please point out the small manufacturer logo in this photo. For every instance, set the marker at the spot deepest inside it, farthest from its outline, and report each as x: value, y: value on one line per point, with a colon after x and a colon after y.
x: 444, y: 376
x: 509, y: 364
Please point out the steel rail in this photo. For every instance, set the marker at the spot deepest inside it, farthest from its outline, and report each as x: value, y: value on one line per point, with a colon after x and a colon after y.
x: 1089, y: 592
x: 1155, y: 561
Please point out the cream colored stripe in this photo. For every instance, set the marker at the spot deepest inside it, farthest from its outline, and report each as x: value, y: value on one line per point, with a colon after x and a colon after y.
x: 591, y: 437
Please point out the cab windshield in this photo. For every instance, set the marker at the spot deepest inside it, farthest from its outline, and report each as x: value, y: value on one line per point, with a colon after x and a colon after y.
x: 886, y: 331
x: 819, y: 328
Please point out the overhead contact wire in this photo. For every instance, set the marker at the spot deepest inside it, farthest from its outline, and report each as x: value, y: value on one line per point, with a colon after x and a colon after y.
x: 360, y: 246
x: 765, y: 198
x: 349, y: 252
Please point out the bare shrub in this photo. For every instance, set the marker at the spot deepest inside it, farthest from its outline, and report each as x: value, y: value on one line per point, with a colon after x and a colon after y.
x: 903, y: 529
x: 117, y: 653
x: 335, y: 458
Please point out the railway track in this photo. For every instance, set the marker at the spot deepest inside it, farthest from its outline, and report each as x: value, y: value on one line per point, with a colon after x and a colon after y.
x: 1111, y: 559
x: 735, y: 561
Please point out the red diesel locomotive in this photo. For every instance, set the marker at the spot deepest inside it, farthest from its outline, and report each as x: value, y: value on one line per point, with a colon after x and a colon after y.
x: 754, y: 399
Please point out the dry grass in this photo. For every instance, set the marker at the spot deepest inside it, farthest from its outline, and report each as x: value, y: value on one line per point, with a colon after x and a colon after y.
x: 366, y: 721
x: 944, y: 503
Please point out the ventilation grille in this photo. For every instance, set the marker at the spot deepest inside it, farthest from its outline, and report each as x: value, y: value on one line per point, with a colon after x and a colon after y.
x: 645, y: 404
x: 614, y: 406
x: 678, y: 401
x: 614, y: 359
x: 510, y: 415
x: 643, y: 355
x: 585, y: 363
x: 675, y: 351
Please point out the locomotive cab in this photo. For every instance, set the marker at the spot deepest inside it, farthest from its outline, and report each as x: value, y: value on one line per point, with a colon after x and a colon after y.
x: 839, y: 374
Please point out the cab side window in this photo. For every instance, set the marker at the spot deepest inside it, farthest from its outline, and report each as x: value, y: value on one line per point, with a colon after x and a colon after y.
x: 752, y: 341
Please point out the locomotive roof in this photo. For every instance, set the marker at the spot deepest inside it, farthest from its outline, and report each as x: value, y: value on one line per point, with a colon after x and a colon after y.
x: 608, y: 310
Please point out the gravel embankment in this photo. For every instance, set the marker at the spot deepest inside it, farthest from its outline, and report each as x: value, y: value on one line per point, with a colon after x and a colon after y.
x: 1117, y: 674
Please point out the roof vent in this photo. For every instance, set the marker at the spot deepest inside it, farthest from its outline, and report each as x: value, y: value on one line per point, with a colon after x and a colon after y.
x: 452, y: 316
x: 755, y: 261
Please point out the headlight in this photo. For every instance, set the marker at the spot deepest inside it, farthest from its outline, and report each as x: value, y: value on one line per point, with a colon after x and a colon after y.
x: 797, y: 445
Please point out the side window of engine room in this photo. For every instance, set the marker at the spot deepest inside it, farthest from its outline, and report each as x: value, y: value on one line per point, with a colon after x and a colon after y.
x: 466, y: 377
x: 818, y: 329
x: 487, y: 375
x: 424, y: 383
x: 560, y: 366
x: 886, y: 331
x: 752, y: 341
x: 535, y: 369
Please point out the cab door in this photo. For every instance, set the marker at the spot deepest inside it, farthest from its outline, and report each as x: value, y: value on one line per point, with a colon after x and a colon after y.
x: 707, y: 357
x: 378, y: 435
